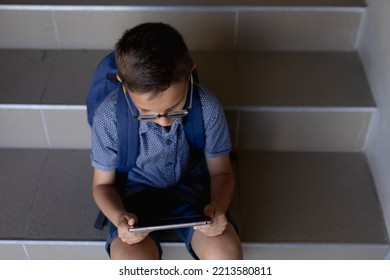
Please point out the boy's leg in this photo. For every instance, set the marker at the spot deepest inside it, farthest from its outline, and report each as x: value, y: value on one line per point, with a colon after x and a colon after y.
x: 223, y: 247
x: 147, y: 249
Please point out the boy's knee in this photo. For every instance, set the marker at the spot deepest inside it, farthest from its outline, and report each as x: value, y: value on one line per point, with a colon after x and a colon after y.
x: 145, y: 250
x: 224, y: 247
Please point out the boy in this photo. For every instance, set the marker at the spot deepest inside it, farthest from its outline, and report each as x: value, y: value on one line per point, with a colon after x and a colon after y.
x: 169, y: 177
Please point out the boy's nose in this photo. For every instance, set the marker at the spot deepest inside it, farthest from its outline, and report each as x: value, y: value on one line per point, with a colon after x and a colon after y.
x: 163, y: 121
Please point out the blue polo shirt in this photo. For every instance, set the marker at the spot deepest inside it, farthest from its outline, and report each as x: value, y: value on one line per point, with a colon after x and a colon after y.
x: 164, y: 156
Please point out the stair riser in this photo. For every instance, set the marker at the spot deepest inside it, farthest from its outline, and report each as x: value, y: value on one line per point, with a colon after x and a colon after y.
x: 204, y: 28
x: 95, y: 251
x: 53, y: 127
x: 303, y: 131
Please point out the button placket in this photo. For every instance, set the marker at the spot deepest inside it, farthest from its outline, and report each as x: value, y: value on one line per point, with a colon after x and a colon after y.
x: 170, y: 158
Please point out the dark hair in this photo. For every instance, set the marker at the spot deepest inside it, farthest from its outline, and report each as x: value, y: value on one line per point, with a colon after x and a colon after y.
x: 151, y: 57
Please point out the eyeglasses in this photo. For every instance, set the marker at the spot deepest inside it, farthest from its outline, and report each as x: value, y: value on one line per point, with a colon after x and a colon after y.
x: 153, y: 117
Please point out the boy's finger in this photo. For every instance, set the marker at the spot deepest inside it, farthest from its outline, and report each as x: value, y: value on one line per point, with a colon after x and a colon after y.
x: 209, y: 211
x: 130, y: 220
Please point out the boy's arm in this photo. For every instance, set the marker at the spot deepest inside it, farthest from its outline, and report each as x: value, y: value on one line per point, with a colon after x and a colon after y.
x: 108, y: 200
x: 106, y: 196
x: 222, y: 181
x: 222, y: 187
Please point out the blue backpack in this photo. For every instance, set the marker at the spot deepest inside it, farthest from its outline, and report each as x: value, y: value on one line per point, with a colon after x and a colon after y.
x: 104, y: 81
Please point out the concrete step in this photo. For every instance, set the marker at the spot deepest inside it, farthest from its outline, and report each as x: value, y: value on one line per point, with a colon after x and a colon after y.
x: 296, y: 101
x: 287, y: 206
x: 248, y: 25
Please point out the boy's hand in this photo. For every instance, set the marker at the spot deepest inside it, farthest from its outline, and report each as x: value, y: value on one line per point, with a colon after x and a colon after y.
x: 219, y: 221
x: 129, y: 220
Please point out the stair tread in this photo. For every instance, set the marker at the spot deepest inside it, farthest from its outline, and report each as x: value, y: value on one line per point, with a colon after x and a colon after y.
x: 51, y: 200
x: 242, y: 79
x: 331, y: 79
x: 309, y: 197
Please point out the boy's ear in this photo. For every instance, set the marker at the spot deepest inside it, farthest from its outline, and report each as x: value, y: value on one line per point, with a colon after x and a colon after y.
x: 193, y: 66
x: 119, y: 79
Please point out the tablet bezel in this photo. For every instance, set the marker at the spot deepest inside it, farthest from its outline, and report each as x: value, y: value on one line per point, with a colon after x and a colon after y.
x: 173, y: 223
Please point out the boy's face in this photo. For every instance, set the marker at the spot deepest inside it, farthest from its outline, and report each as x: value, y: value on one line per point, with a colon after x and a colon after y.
x: 172, y: 99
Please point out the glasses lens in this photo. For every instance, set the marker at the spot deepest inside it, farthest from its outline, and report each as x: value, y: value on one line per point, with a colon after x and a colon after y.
x: 152, y: 117
x: 177, y: 114
x: 147, y: 117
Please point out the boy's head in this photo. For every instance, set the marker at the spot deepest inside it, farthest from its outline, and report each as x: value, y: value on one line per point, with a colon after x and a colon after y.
x: 151, y: 57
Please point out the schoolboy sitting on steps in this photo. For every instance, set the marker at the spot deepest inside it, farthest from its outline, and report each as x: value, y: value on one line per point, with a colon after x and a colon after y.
x: 169, y: 177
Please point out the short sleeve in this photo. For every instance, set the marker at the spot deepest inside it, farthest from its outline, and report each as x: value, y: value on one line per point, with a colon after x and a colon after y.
x: 217, y: 135
x: 104, y: 135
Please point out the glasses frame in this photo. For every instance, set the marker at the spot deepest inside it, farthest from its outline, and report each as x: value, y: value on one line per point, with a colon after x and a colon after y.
x: 152, y: 117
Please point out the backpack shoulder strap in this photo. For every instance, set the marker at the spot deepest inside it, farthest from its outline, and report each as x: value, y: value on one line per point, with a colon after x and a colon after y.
x: 127, y: 131
x: 127, y: 128
x: 103, y: 82
x: 193, y: 122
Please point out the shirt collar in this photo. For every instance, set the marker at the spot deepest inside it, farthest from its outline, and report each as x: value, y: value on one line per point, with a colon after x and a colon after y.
x: 146, y: 126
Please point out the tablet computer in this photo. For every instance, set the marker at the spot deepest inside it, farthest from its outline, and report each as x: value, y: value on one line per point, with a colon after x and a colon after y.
x: 172, y: 223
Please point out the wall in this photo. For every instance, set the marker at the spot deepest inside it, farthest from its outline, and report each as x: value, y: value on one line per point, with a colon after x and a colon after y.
x: 374, y: 49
